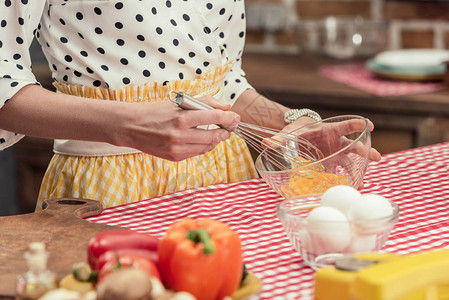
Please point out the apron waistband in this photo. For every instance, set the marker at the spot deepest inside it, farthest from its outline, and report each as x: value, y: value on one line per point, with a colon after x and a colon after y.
x: 86, y: 148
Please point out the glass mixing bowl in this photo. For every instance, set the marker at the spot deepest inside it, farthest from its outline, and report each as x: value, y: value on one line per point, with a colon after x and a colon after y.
x: 342, y: 37
x: 330, y: 152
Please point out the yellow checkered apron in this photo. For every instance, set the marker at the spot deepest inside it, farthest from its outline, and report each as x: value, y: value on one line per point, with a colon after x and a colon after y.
x: 120, y: 179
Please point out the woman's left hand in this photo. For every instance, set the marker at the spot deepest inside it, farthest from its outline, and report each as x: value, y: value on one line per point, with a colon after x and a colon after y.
x: 334, y: 133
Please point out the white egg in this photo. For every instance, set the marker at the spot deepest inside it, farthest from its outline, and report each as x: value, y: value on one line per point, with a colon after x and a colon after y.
x: 328, y: 231
x: 341, y: 197
x: 361, y: 243
x: 370, y: 207
x: 367, y: 213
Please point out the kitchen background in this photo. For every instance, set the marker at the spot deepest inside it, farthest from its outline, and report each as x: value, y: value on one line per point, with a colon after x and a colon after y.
x: 411, y: 24
x: 275, y: 27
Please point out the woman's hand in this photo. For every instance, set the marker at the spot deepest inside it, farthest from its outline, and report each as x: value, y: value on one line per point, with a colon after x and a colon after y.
x: 157, y: 128
x: 166, y: 131
x: 334, y: 135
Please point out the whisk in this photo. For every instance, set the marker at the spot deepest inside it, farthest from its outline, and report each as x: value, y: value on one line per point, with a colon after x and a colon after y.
x: 285, y: 152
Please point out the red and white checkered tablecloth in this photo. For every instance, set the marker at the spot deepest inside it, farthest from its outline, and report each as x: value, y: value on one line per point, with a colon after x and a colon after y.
x: 417, y: 180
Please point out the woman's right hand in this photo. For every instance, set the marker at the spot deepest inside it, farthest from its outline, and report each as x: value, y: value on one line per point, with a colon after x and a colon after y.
x: 164, y: 130
x: 158, y: 128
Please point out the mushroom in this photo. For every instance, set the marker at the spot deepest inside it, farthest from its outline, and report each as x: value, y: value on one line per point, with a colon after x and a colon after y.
x: 125, y: 284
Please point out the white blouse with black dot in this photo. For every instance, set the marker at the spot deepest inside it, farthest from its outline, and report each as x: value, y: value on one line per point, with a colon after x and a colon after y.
x: 115, y: 43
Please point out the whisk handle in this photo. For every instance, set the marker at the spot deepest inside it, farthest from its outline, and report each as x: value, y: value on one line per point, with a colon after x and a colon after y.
x: 188, y: 102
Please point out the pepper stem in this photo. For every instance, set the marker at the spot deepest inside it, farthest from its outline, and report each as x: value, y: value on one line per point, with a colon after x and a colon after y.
x: 201, y: 235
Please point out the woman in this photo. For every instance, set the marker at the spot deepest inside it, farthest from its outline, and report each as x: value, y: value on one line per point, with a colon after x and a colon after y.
x: 118, y: 138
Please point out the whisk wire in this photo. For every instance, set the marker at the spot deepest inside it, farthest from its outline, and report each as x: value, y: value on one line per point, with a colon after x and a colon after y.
x: 284, y: 150
x: 280, y: 147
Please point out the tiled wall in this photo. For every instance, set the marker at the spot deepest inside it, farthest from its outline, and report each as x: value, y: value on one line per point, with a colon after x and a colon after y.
x: 411, y: 24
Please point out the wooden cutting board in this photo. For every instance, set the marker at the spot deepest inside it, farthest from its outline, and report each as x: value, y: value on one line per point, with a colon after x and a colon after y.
x: 60, y: 226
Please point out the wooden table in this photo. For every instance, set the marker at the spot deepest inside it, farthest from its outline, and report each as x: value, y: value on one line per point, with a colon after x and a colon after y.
x: 402, y: 122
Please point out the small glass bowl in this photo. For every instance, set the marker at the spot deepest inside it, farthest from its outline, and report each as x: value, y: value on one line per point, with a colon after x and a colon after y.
x: 322, y: 243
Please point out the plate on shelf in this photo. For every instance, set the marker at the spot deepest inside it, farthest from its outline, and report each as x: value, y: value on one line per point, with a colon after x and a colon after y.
x: 410, y: 64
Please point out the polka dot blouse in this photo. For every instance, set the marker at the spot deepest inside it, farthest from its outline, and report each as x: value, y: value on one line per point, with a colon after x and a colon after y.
x: 112, y: 44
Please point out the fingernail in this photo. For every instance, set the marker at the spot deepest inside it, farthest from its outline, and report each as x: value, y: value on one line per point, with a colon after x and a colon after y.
x: 235, y: 123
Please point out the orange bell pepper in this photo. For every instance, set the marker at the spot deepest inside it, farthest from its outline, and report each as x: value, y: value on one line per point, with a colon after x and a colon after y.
x: 202, y: 257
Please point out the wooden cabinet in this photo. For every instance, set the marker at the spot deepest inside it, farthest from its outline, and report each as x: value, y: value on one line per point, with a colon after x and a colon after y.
x: 32, y: 158
x: 32, y: 155
x: 401, y: 122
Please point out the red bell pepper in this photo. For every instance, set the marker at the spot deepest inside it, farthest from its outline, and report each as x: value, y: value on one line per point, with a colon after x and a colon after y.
x: 128, y: 260
x: 117, y: 241
x: 202, y: 257
x: 112, y: 255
